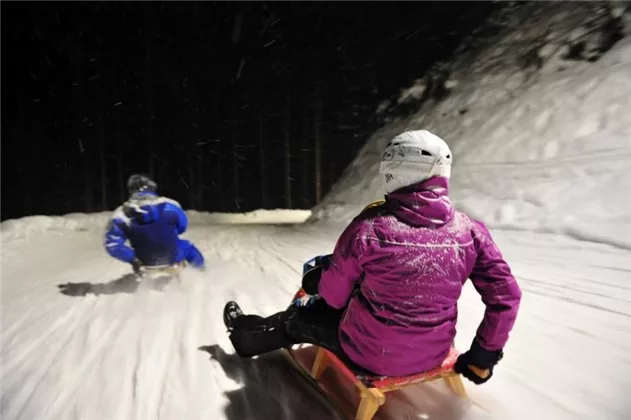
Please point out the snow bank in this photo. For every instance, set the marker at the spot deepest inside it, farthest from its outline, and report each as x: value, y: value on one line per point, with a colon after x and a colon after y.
x: 17, y: 228
x: 30, y: 225
x: 268, y: 217
x: 540, y: 142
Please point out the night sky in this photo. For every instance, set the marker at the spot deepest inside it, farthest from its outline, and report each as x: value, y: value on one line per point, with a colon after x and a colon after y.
x: 231, y: 106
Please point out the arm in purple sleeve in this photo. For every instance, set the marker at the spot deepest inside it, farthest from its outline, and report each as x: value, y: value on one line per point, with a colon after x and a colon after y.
x: 339, y: 279
x: 492, y: 278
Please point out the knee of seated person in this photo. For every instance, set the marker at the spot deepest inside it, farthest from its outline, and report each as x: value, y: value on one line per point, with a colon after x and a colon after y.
x: 243, y: 351
x: 253, y: 343
x: 241, y: 345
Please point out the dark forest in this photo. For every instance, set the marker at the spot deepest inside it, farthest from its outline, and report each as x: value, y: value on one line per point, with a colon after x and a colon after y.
x: 230, y: 106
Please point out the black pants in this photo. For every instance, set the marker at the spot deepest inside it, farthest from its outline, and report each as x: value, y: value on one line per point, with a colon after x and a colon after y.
x: 316, y: 324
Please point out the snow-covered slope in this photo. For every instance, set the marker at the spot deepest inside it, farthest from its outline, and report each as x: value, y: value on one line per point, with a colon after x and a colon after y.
x: 539, y: 142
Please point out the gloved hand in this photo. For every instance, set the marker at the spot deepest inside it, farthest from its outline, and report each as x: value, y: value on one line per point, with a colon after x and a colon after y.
x: 312, y: 271
x: 477, y: 364
x: 136, y: 265
x: 323, y: 260
x: 318, y: 260
x: 306, y: 300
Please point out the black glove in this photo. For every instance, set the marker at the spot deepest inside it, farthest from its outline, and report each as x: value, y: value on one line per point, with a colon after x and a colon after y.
x: 312, y: 271
x: 136, y: 265
x: 477, y: 364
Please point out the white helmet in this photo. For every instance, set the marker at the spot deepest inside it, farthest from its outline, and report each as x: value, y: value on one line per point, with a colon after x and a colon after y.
x: 414, y: 156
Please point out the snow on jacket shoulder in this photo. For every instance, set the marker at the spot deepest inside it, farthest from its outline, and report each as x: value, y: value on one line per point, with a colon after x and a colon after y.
x: 151, y: 224
x: 399, y: 269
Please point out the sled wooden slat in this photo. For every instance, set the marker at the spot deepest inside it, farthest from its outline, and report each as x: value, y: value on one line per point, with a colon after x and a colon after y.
x: 166, y: 269
x: 372, y: 389
x: 390, y: 383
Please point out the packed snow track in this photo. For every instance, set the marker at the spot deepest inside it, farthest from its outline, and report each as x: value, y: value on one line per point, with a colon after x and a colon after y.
x: 107, y: 350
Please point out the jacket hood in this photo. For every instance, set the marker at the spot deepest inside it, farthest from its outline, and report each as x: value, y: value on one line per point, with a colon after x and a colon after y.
x: 140, y: 207
x: 423, y: 204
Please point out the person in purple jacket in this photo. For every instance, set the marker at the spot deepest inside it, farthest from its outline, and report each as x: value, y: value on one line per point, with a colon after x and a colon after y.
x: 386, y: 300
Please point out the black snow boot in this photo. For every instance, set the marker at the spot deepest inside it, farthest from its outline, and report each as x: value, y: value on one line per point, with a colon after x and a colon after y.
x: 231, y: 312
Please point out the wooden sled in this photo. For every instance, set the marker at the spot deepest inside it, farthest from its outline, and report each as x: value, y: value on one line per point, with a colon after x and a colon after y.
x: 372, y: 389
x: 160, y: 276
x: 163, y: 269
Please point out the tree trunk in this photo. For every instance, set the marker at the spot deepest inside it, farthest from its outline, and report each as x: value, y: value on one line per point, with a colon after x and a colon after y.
x: 192, y: 204
x: 317, y: 142
x: 119, y: 140
x: 197, y: 147
x: 103, y: 165
x: 149, y: 90
x: 219, y: 199
x: 237, y: 27
x: 306, y: 161
x: 219, y: 179
x: 84, y: 148
x: 288, y: 201
x: 263, y: 164
x: 102, y: 103
x: 122, y: 188
x: 20, y: 134
x: 235, y: 153
x: 87, y: 183
x: 200, y: 178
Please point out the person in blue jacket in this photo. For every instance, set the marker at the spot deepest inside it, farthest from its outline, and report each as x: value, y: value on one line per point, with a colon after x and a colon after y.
x: 152, y: 225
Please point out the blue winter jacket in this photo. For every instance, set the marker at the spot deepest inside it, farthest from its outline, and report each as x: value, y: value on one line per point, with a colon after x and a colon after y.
x: 151, y: 224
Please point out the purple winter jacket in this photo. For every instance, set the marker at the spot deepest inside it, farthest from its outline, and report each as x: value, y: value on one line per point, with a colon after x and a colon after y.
x: 399, y: 269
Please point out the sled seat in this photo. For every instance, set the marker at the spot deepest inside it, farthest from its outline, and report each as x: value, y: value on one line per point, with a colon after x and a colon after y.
x: 372, y: 389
